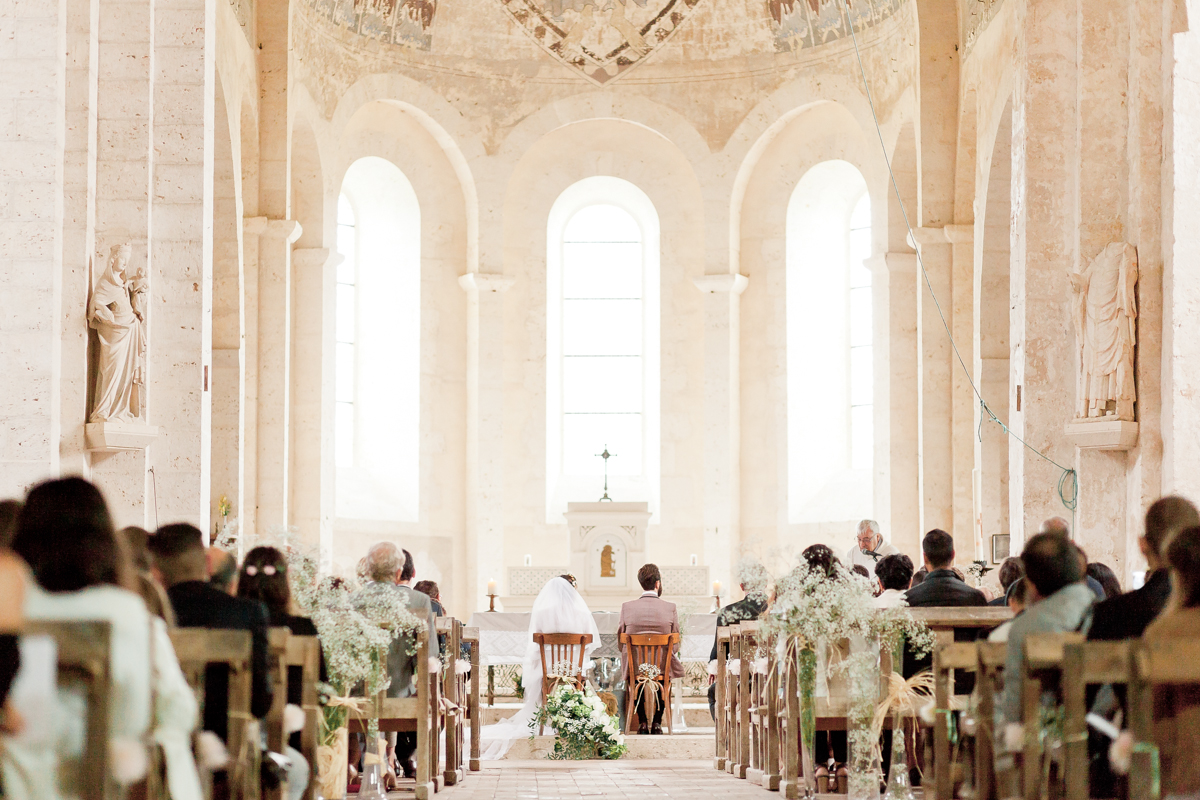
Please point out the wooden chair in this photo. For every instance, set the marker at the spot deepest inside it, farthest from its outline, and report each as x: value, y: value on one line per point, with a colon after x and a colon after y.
x: 84, y: 657
x: 947, y: 658
x: 304, y: 656
x: 277, y: 639
x: 1084, y: 664
x: 1042, y: 667
x: 649, y: 648
x: 991, y: 782
x: 1154, y: 662
x: 724, y: 754
x: 471, y: 637
x: 196, y: 649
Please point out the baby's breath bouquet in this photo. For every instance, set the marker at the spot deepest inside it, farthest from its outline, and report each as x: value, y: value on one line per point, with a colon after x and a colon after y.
x: 583, y: 727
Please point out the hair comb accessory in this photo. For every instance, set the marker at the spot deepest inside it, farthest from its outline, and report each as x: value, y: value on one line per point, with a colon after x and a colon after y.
x: 251, y: 570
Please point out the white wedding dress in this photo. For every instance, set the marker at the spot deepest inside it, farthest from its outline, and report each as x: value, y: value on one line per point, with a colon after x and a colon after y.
x: 557, y: 609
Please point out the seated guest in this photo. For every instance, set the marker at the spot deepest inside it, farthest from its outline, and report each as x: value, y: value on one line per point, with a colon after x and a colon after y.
x: 918, y: 578
x: 222, y: 570
x: 10, y: 510
x: 1177, y: 706
x: 821, y: 558
x: 942, y: 587
x: 152, y: 592
x: 82, y: 570
x: 752, y: 578
x: 179, y: 559
x: 1057, y: 601
x: 649, y: 614
x: 264, y: 578
x: 388, y: 569
x: 869, y: 547
x: 894, y: 574
x: 1103, y: 575
x: 430, y: 590
x: 1010, y: 570
x: 1015, y: 599
x: 1060, y: 526
x: 12, y: 617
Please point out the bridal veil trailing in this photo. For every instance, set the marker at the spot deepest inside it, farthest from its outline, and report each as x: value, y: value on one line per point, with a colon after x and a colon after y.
x: 557, y: 609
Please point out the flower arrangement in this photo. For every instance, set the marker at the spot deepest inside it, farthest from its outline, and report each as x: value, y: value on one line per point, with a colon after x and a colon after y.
x: 583, y: 727
x: 650, y: 671
x: 978, y: 570
x: 562, y: 669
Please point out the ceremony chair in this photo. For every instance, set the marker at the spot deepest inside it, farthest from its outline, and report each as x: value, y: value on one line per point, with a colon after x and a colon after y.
x: 474, y: 714
x: 554, y: 649
x: 197, y: 649
x: 84, y: 657
x: 649, y: 648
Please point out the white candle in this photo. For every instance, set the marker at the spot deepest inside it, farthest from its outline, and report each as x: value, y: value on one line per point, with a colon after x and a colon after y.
x: 716, y: 588
x: 491, y: 587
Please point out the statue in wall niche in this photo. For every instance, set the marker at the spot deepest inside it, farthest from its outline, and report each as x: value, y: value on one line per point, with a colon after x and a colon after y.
x: 118, y: 315
x: 1105, y: 317
x: 608, y: 568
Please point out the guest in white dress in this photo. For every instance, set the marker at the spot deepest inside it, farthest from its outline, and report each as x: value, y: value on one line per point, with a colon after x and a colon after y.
x: 82, y: 572
x: 557, y: 609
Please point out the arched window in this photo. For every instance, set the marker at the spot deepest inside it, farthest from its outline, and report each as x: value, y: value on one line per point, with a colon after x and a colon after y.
x: 378, y: 334
x: 830, y: 360
x: 602, y: 344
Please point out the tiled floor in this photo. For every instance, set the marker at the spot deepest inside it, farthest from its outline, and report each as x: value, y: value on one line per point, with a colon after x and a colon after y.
x: 549, y: 780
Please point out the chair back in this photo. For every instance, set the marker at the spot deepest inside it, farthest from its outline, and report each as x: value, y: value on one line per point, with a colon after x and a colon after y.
x: 304, y: 654
x: 557, y: 648
x: 471, y: 639
x: 648, y: 648
x: 1172, y: 661
x: 84, y: 655
x: 277, y: 639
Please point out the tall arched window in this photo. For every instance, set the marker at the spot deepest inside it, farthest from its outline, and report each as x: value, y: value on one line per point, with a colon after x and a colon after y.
x: 602, y: 344
x: 830, y: 360
x: 378, y: 333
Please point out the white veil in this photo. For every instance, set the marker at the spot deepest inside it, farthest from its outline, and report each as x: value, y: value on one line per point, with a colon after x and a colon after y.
x: 557, y: 609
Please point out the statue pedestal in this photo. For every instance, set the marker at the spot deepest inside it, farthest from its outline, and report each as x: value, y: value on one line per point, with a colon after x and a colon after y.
x: 608, y: 546
x: 119, y: 435
x: 1103, y: 434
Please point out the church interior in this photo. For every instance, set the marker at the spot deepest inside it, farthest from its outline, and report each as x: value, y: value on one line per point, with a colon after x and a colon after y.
x: 545, y: 287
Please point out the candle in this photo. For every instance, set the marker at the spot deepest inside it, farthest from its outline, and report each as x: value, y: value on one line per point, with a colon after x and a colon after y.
x: 716, y: 588
x: 491, y: 587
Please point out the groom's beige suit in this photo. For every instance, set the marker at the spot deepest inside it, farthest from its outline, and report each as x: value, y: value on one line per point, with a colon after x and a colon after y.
x: 650, y: 614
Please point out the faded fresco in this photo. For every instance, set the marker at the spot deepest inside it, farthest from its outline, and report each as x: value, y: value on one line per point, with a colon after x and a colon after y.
x: 402, y: 22
x: 799, y: 24
x: 599, y: 39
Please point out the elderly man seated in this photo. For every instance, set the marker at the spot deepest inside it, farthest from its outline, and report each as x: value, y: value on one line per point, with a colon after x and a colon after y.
x: 869, y: 547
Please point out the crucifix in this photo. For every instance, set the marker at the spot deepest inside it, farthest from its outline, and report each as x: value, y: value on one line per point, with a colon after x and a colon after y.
x: 606, y: 456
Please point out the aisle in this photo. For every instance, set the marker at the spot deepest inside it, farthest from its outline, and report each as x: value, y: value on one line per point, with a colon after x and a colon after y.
x: 557, y: 780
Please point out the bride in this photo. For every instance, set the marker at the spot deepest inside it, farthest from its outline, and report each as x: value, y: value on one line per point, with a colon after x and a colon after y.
x: 557, y: 609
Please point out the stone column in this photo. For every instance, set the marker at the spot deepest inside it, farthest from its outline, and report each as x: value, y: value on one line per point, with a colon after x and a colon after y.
x: 1044, y: 243
x: 313, y: 479
x: 722, y: 423
x: 485, y: 431
x: 897, y: 503
x: 180, y: 337
x: 273, y: 423
x: 252, y: 230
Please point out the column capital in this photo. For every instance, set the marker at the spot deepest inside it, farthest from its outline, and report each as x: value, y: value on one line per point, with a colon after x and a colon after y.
x: 733, y: 283
x: 927, y: 236
x: 286, y: 229
x: 316, y: 257
x: 485, y: 282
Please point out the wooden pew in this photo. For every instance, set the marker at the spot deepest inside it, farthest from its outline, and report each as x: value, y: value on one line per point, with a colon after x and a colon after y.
x: 304, y: 653
x: 196, y: 648
x: 765, y: 719
x: 724, y: 756
x: 1175, y: 661
x: 277, y: 639
x: 737, y: 695
x: 454, y: 691
x: 474, y: 714
x: 1042, y: 667
x: 1084, y: 664
x: 990, y: 782
x: 84, y: 656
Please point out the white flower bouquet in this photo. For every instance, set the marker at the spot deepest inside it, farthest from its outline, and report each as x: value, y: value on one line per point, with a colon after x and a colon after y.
x: 583, y: 727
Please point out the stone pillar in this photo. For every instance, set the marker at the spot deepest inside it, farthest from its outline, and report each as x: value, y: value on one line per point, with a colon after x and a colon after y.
x: 312, y: 479
x: 897, y: 503
x: 485, y: 431
x: 253, y: 229
x: 1043, y: 250
x: 722, y: 423
x: 273, y: 423
x: 180, y: 336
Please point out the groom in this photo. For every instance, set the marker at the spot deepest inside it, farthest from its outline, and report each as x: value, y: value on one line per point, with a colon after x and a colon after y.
x: 649, y: 614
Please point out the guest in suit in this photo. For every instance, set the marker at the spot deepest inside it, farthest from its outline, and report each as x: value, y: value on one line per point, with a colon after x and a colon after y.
x: 649, y: 614
x: 390, y: 569
x: 1177, y: 706
x: 1010, y: 570
x: 942, y: 587
x: 753, y: 579
x: 182, y: 566
x: 222, y: 570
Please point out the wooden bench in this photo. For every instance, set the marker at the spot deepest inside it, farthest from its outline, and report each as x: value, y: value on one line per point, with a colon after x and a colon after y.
x: 455, y: 695
x: 303, y: 654
x: 474, y: 714
x: 1176, y: 661
x: 196, y: 649
x: 724, y: 755
x: 764, y: 710
x: 84, y: 657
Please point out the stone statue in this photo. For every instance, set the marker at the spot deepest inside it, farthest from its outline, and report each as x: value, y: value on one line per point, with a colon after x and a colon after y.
x: 1105, y: 316
x: 118, y: 314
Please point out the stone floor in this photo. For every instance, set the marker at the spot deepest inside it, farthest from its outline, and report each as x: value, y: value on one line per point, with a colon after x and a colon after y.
x: 549, y: 780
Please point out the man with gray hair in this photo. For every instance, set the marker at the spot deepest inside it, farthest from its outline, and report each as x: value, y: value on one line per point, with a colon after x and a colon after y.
x: 385, y: 566
x: 869, y: 548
